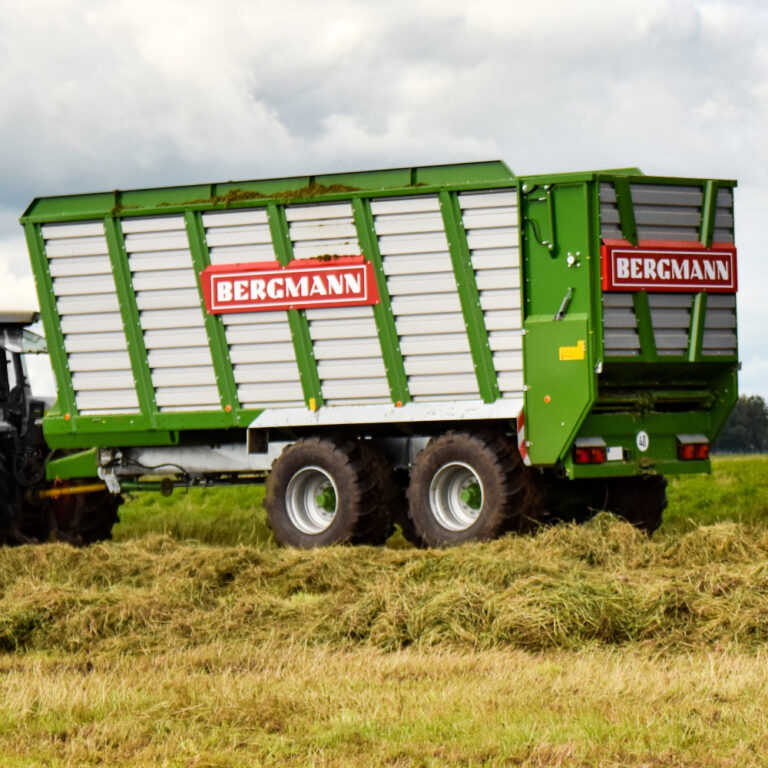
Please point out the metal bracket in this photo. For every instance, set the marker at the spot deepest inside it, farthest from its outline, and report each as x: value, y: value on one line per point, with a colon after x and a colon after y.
x: 564, y: 305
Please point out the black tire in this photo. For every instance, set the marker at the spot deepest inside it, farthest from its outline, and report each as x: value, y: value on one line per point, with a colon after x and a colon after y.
x: 465, y: 487
x: 84, y: 518
x: 640, y: 500
x: 381, y: 519
x: 323, y: 491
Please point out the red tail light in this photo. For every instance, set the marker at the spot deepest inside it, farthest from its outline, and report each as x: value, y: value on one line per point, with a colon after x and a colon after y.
x: 692, y: 447
x: 589, y: 454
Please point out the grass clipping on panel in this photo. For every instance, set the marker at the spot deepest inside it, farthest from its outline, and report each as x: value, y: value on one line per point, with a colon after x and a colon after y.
x: 568, y: 587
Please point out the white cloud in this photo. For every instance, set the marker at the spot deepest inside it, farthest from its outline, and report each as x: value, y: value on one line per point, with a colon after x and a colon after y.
x: 132, y: 93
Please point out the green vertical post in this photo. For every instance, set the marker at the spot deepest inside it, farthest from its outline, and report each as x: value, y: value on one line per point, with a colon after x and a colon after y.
x: 214, y: 328
x: 51, y: 320
x: 644, y: 325
x: 469, y: 297
x: 708, y: 213
x: 134, y: 336
x: 297, y: 318
x: 626, y: 209
x: 382, y: 312
x: 696, y: 331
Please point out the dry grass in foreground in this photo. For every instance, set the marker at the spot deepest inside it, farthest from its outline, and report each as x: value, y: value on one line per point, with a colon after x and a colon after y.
x: 239, y: 704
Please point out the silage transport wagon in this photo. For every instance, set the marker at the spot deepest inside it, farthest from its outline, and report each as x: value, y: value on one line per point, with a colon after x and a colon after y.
x: 503, y: 349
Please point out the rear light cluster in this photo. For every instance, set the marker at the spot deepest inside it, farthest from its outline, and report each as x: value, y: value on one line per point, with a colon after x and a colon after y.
x: 589, y: 455
x: 692, y: 447
x: 589, y: 450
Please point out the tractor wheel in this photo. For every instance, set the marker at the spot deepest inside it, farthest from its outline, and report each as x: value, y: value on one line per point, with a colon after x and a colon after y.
x: 465, y: 487
x: 322, y: 491
x: 84, y: 518
x: 640, y: 500
x: 381, y: 519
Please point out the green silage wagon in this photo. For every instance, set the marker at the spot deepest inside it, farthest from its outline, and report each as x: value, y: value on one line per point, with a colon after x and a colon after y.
x: 452, y: 348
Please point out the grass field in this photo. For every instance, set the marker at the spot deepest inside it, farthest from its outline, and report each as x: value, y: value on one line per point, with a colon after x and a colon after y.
x: 191, y: 640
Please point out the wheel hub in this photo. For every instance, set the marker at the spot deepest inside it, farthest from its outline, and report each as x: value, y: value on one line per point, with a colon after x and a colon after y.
x: 311, y: 500
x: 456, y: 496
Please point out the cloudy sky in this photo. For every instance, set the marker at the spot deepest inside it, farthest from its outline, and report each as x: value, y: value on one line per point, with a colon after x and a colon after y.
x: 133, y: 93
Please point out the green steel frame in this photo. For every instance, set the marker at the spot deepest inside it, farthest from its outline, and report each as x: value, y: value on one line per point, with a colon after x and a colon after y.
x: 559, y: 223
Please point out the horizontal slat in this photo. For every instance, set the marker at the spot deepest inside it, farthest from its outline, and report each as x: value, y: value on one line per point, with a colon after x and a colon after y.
x: 322, y: 211
x: 359, y: 328
x: 183, y: 298
x: 414, y: 244
x: 406, y: 285
x: 621, y: 340
x: 356, y: 390
x: 256, y: 319
x: 87, y: 305
x: 266, y: 372
x: 495, y: 258
x: 146, y: 224
x: 82, y: 266
x: 720, y: 318
x: 179, y: 356
x: 94, y: 342
x: 502, y: 300
x: 666, y: 195
x: 670, y: 318
x: 341, y: 349
x: 164, y: 279
x: 155, y: 319
x: 409, y: 224
x: 430, y: 324
x: 239, y: 236
x: 234, y: 254
x: 418, y: 266
x: 99, y: 361
x: 160, y: 260
x: 619, y: 318
x: 107, y: 401
x: 395, y: 205
x: 204, y: 397
x: 722, y: 339
x: 260, y: 394
x: 235, y: 218
x: 83, y: 286
x: 340, y: 313
x: 493, y: 238
x: 267, y: 333
x: 97, y: 381
x: 425, y: 305
x: 508, y: 361
x: 464, y: 384
x: 352, y: 369
x: 276, y: 353
x: 671, y: 339
x: 156, y: 241
x: 81, y: 229
x: 506, y: 198
x: 434, y: 344
x: 498, y: 279
x: 670, y: 300
x: 85, y: 246
x: 174, y: 338
x: 505, y: 340
x: 188, y: 376
x: 95, y: 323
x: 335, y: 229
x: 330, y: 248
x: 511, y: 381
x: 434, y: 365
x: 721, y: 301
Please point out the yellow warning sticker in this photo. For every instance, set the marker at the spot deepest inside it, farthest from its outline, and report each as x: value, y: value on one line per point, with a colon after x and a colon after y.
x: 579, y: 352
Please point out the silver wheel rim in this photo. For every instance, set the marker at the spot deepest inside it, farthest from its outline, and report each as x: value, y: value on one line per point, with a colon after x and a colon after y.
x: 312, y: 500
x: 456, y: 496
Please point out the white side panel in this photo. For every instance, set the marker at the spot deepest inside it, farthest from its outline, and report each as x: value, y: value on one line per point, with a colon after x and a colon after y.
x: 425, y: 302
x: 491, y: 223
x: 344, y: 339
x: 87, y: 303
x: 172, y: 319
x: 260, y: 345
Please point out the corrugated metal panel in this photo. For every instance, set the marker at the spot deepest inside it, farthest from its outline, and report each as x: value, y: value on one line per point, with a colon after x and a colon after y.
x: 164, y: 281
x: 422, y: 287
x: 620, y: 336
x: 490, y: 220
x: 720, y: 326
x: 671, y: 319
x: 260, y: 345
x: 322, y: 230
x: 88, y: 306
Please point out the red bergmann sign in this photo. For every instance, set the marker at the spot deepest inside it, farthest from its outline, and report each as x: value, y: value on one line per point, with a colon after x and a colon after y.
x: 659, y: 266
x: 344, y: 281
